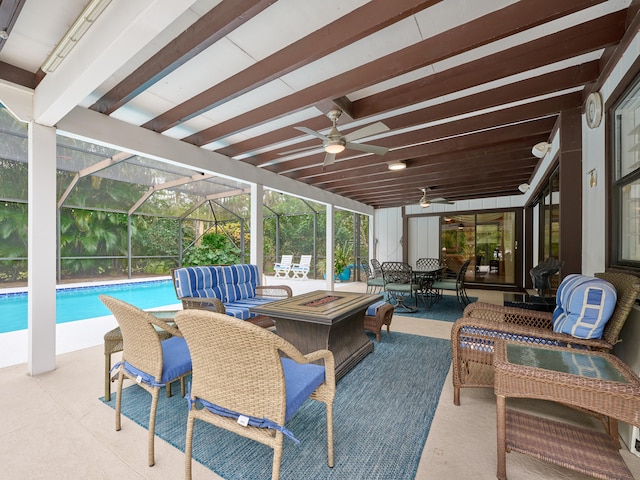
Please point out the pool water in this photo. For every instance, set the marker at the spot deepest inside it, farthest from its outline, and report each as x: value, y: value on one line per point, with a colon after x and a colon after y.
x: 74, y: 304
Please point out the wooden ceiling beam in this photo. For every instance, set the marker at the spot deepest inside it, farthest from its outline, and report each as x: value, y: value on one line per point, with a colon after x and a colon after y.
x: 459, y: 143
x: 542, y: 85
x: 519, y: 113
x: 481, y: 31
x: 361, y: 22
x: 570, y: 42
x: 211, y: 27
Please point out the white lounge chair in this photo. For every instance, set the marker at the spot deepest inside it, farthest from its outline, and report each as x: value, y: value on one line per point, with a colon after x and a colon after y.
x: 283, y: 268
x: 300, y: 270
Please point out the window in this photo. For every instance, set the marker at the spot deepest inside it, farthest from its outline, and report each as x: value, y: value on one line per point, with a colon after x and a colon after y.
x: 626, y: 180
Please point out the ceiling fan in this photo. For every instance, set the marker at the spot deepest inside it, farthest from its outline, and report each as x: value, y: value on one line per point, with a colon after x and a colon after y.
x: 427, y: 200
x: 334, y: 142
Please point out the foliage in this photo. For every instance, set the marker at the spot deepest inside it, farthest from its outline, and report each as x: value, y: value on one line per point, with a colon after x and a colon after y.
x: 214, y: 249
x: 343, y: 256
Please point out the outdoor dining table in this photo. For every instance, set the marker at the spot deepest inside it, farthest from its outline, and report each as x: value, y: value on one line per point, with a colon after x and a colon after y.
x: 425, y: 278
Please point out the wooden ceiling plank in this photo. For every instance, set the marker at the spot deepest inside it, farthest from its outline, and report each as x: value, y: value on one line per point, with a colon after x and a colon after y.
x: 363, y: 21
x: 466, y: 142
x: 533, y: 87
x: 580, y: 39
x: 498, y: 118
x: 439, y: 47
x: 211, y: 27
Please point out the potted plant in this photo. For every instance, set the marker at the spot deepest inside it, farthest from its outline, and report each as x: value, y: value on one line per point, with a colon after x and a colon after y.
x: 342, y: 261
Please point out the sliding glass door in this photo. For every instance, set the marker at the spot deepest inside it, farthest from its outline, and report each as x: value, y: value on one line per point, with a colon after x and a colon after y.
x: 488, y: 239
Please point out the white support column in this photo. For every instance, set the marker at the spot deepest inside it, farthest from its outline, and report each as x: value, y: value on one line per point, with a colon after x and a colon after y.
x: 330, y: 246
x: 257, y: 226
x: 42, y: 249
x: 372, y: 239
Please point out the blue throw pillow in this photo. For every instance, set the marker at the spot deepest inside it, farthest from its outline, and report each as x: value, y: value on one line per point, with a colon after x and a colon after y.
x: 584, y: 306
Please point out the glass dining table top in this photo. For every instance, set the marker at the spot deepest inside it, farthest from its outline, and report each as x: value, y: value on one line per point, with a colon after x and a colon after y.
x: 574, y: 362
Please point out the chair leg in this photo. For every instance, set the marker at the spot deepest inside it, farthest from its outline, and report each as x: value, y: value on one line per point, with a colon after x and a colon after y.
x: 330, y: 435
x: 277, y: 456
x: 119, y: 399
x: 152, y: 424
x: 107, y: 377
x: 188, y: 447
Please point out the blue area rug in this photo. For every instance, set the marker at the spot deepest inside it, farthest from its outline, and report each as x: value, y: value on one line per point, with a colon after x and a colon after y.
x: 447, y: 309
x: 382, y: 414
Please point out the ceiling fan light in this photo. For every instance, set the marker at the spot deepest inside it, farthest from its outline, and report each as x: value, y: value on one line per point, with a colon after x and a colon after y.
x: 334, y: 148
x: 397, y: 166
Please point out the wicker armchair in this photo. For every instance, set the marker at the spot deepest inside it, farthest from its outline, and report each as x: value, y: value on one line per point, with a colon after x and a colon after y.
x: 473, y: 335
x: 146, y: 359
x: 238, y: 370
x: 383, y: 316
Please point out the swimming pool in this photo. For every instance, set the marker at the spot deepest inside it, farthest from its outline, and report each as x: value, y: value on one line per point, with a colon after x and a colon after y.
x: 80, y: 303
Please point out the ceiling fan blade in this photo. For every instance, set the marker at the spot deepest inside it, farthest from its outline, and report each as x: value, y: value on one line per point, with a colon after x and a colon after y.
x: 329, y: 159
x: 311, y: 132
x: 367, y: 131
x: 364, y: 147
x: 441, y: 200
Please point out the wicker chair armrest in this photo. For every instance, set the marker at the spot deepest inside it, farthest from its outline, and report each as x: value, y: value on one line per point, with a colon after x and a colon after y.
x: 513, y: 315
x: 274, y: 291
x: 483, y: 329
x: 203, y: 303
x: 167, y: 327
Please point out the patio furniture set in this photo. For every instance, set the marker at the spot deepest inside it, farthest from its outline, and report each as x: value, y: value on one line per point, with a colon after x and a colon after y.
x: 404, y: 286
x: 245, y: 377
x: 560, y: 356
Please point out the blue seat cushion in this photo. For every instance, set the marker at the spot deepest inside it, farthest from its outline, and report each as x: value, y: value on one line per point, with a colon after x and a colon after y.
x: 583, y: 306
x: 301, y: 380
x: 373, y: 308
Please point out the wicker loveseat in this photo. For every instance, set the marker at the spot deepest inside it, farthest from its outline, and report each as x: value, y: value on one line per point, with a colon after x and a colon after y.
x: 236, y: 286
x: 473, y: 336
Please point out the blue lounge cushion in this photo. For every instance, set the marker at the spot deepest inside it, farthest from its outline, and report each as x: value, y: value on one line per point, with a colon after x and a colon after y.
x: 583, y: 306
x: 301, y: 380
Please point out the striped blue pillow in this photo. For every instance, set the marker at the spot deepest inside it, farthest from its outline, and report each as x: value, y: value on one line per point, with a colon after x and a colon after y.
x: 584, y: 306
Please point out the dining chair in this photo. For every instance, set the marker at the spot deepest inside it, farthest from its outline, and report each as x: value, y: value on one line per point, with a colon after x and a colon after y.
x: 428, y: 271
x: 374, y: 284
x: 456, y: 285
x: 400, y: 285
x: 250, y: 381
x: 149, y: 361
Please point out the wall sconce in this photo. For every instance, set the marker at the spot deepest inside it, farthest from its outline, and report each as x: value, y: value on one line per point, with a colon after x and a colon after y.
x: 593, y: 179
x: 539, y: 150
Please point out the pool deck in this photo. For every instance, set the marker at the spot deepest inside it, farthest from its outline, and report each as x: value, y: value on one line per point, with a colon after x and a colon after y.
x: 81, y: 334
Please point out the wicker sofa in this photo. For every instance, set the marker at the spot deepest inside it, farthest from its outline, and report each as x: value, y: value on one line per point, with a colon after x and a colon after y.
x: 236, y: 286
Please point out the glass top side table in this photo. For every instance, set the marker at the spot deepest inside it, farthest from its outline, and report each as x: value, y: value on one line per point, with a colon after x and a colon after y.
x: 594, y: 381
